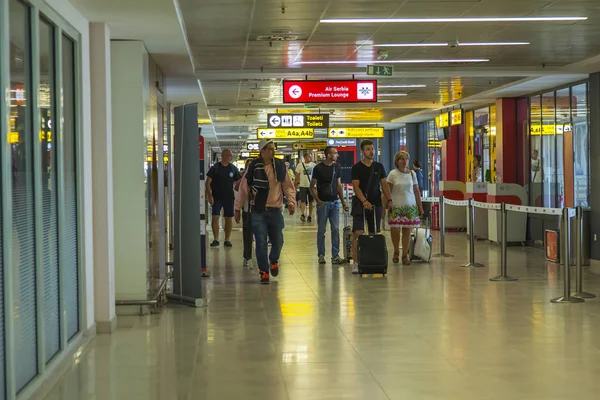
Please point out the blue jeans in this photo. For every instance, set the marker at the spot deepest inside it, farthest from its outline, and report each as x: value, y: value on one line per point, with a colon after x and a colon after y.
x: 329, y: 211
x: 268, y: 224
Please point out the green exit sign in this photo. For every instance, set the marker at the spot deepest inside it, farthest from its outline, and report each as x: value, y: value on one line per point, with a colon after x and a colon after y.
x: 380, y: 70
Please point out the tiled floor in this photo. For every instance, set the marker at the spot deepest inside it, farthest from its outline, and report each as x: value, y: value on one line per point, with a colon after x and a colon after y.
x: 425, y: 332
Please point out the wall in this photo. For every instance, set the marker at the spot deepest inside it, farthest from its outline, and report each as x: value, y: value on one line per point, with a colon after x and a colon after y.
x: 130, y: 96
x: 594, y: 105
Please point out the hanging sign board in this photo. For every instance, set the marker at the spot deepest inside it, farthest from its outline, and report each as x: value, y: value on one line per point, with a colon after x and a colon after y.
x: 330, y: 91
x: 442, y: 120
x: 309, y: 146
x: 356, y: 133
x: 292, y: 133
x: 342, y: 142
x: 456, y: 117
x: 314, y: 121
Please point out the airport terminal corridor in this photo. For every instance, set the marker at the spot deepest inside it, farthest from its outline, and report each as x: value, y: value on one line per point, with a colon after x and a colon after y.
x: 426, y: 331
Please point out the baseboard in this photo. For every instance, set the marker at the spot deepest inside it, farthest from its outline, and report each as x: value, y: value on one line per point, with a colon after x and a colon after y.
x: 43, y: 385
x: 595, y: 267
x: 106, y: 327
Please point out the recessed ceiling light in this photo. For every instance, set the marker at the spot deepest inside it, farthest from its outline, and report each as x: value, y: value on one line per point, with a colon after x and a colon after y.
x: 458, y: 44
x: 400, y: 86
x: 432, y: 61
x: 391, y: 94
x: 443, y: 20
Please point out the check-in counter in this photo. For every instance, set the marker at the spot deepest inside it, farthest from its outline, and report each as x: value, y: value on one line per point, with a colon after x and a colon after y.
x: 478, y: 191
x: 508, y: 193
x: 455, y: 216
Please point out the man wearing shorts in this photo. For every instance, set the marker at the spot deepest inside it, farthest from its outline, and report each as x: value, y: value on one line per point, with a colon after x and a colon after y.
x: 219, y: 189
x: 303, y: 177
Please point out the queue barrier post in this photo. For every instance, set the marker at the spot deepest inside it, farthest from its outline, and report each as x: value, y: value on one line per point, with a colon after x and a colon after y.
x: 565, y: 237
x: 472, y: 262
x: 503, y: 277
x: 579, y: 292
x: 442, y: 252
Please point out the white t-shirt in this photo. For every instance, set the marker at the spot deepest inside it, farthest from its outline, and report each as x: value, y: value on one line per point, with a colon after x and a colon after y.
x: 304, y: 179
x: 403, y: 188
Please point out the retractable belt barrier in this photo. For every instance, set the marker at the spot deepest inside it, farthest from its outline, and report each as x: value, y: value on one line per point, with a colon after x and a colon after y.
x: 564, y: 213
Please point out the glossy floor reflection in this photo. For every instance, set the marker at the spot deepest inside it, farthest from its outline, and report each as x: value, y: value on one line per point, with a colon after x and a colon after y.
x: 427, y: 331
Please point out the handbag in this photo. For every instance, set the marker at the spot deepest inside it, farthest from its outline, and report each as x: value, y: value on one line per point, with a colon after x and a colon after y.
x: 325, y: 191
x: 357, y: 207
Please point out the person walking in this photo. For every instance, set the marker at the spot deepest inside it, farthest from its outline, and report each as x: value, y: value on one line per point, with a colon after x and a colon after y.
x: 368, y: 177
x: 303, y: 176
x: 326, y: 188
x: 407, y: 208
x: 477, y: 173
x: 246, y: 218
x: 219, y: 189
x: 268, y: 181
x: 419, y: 173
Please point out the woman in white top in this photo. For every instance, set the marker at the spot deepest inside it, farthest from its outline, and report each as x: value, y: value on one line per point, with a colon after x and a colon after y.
x: 407, y: 208
x: 477, y: 173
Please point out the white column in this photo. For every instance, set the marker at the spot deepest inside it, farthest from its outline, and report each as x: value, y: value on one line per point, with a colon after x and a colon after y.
x: 102, y: 179
x: 129, y: 66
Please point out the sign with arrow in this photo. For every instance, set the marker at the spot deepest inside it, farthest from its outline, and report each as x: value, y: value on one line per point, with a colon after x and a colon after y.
x: 292, y: 133
x: 314, y: 121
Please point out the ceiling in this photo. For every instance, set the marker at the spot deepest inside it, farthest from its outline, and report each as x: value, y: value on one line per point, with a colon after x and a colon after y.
x: 231, y: 56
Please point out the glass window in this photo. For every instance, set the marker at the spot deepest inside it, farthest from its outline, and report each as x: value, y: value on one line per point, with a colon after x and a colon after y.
x: 71, y: 238
x: 49, y: 195
x: 579, y: 107
x: 535, y: 189
x: 563, y: 124
x: 23, y: 239
x: 549, y: 151
x: 482, y: 141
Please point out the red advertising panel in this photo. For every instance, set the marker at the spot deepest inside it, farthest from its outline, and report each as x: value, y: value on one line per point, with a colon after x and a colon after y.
x: 330, y: 91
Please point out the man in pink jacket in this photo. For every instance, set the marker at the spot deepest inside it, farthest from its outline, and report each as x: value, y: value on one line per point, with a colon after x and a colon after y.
x: 268, y: 181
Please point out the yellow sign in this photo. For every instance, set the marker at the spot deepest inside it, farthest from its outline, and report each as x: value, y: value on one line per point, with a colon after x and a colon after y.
x: 456, y: 117
x: 442, y: 120
x: 305, y: 133
x: 309, y: 146
x: 538, y: 130
x: 13, y: 137
x: 355, y: 133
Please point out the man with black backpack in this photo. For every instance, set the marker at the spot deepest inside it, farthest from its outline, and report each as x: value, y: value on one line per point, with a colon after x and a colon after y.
x: 326, y: 188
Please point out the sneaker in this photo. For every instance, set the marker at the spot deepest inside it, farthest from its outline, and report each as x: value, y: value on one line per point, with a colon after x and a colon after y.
x: 302, y: 218
x: 309, y: 219
x: 321, y: 259
x: 228, y: 244
x: 275, y: 269
x: 215, y: 244
x: 246, y: 263
x: 264, y: 278
x: 337, y: 260
x: 355, y: 269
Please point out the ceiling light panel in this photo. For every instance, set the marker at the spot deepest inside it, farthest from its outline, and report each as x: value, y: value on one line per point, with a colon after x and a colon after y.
x: 416, y: 61
x: 459, y: 44
x: 450, y: 20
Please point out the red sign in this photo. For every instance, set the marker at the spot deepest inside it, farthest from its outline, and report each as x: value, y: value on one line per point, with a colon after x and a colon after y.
x: 329, y: 91
x: 201, y: 147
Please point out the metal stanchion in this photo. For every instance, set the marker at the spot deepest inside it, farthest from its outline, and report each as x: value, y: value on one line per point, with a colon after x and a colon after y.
x: 579, y: 292
x: 442, y: 252
x: 503, y: 277
x: 566, y: 260
x: 472, y: 262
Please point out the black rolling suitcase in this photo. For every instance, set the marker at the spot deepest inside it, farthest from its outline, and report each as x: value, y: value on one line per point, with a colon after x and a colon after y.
x: 372, y: 254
